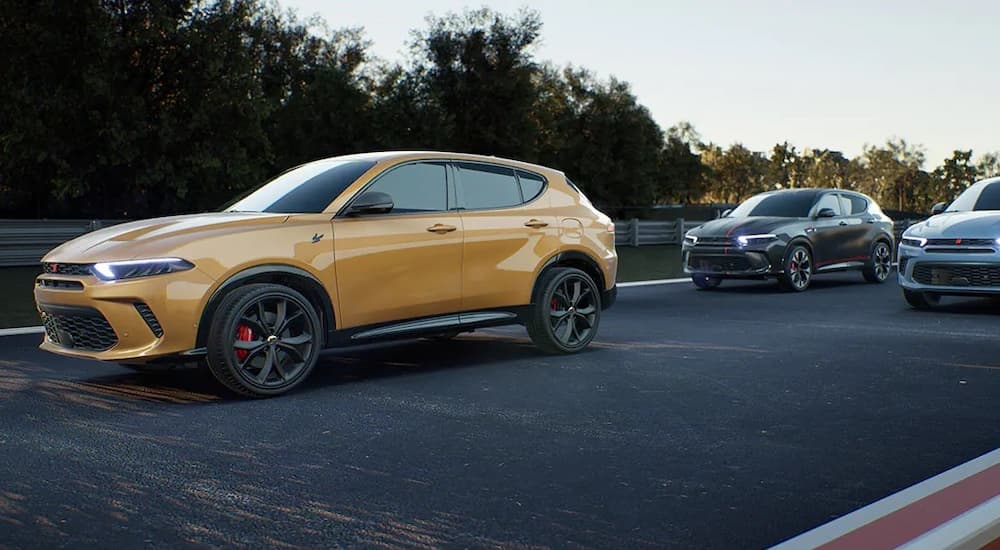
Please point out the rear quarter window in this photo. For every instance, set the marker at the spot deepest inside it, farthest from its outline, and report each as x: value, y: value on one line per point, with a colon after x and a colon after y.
x: 532, y: 185
x: 485, y: 186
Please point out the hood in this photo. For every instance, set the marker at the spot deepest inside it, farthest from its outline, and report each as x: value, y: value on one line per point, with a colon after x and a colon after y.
x: 984, y: 224
x: 735, y: 227
x: 155, y: 237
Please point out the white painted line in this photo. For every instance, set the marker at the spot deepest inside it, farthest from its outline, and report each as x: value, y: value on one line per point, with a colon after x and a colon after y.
x: 863, y: 516
x: 21, y: 330
x: 655, y: 282
x: 973, y: 529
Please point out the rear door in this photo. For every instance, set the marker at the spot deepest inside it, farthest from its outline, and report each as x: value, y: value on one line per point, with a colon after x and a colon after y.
x: 509, y: 230
x: 860, y: 230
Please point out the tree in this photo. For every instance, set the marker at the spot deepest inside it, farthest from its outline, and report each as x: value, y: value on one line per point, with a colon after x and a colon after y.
x: 989, y: 165
x: 736, y: 173
x: 952, y: 177
x: 893, y: 176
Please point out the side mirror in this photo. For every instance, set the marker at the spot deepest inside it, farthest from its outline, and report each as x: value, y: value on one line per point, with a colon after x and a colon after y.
x: 372, y: 202
x: 938, y: 208
x: 826, y: 213
x: 726, y: 212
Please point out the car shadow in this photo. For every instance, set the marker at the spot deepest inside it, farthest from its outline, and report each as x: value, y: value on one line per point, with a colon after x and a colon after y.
x: 337, y: 366
x: 770, y: 286
x: 964, y: 305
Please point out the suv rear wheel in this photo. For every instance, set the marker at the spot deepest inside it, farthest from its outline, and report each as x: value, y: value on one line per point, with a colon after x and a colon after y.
x: 264, y: 340
x: 565, y: 316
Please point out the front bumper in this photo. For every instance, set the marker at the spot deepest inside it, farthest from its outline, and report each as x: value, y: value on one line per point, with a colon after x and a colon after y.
x: 963, y: 274
x: 132, y: 320
x: 730, y: 261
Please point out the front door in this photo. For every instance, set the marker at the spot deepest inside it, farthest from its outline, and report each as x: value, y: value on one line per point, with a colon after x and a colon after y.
x: 406, y: 263
x: 830, y: 235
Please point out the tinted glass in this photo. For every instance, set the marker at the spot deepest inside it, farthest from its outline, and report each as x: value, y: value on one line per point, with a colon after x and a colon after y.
x: 989, y: 199
x: 531, y: 184
x: 853, y: 204
x: 784, y: 204
x: 421, y: 187
x: 830, y: 201
x: 308, y: 189
x: 487, y: 186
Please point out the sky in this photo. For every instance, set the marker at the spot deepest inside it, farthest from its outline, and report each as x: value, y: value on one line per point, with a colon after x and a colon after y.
x: 820, y: 74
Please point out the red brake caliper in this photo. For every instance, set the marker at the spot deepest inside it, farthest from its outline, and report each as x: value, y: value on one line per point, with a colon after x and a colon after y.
x: 554, y: 304
x: 243, y: 334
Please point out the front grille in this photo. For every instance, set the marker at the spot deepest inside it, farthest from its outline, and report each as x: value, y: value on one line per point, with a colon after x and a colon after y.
x: 66, y: 269
x: 960, y: 242
x: 718, y: 263
x: 715, y: 241
x: 59, y: 284
x: 151, y: 321
x: 957, y: 274
x: 958, y: 250
x: 84, y: 328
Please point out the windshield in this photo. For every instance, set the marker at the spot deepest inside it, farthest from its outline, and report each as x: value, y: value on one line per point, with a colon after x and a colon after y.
x: 977, y: 197
x: 788, y: 204
x: 307, y: 189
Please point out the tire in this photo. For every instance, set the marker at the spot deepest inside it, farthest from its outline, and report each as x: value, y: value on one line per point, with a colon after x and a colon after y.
x: 921, y: 300
x: 706, y: 282
x: 797, y: 269
x: 566, y: 312
x: 264, y: 340
x: 879, y: 264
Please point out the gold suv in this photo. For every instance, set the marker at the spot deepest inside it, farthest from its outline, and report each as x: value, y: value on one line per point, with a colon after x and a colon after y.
x: 345, y: 250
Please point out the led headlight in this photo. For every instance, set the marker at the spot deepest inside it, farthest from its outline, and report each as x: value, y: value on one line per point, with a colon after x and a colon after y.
x: 918, y: 242
x: 690, y: 239
x: 745, y: 240
x: 130, y: 269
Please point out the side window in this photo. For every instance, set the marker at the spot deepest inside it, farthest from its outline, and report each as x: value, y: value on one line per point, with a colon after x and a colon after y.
x: 853, y: 204
x: 485, y: 186
x: 531, y: 184
x: 831, y: 201
x: 421, y: 187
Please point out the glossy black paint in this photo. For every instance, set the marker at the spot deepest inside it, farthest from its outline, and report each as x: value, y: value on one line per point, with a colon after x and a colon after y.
x: 838, y: 242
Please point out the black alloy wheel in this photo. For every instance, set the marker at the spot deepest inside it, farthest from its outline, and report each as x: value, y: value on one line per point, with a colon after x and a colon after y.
x: 567, y: 312
x: 264, y: 341
x: 879, y: 265
x: 798, y: 269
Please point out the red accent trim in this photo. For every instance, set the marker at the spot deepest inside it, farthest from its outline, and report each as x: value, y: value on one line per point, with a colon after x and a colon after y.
x: 921, y: 516
x: 839, y: 260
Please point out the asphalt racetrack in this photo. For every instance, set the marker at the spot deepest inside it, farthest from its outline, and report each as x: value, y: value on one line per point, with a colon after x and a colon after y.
x: 731, y: 418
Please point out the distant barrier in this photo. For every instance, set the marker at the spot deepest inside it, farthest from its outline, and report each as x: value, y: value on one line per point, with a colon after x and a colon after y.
x: 636, y: 232
x: 24, y: 242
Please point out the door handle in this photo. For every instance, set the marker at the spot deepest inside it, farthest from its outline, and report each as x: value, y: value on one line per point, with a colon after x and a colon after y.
x: 842, y: 223
x: 870, y: 220
x: 441, y: 228
x: 537, y: 224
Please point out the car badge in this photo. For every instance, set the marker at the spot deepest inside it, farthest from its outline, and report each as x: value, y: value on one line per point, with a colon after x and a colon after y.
x: 958, y: 241
x: 55, y: 268
x: 316, y: 237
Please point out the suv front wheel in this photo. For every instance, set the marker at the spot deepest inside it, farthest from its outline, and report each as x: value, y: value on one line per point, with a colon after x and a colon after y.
x: 264, y: 340
x: 567, y: 311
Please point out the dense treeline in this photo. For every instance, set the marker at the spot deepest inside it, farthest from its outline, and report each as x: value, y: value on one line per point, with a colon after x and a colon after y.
x: 131, y: 108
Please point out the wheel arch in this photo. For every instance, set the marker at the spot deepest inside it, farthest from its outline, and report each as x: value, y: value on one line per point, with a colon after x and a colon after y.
x: 290, y: 276
x: 571, y: 258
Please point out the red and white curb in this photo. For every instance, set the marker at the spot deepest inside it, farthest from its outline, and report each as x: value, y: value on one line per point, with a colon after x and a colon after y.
x: 957, y: 509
